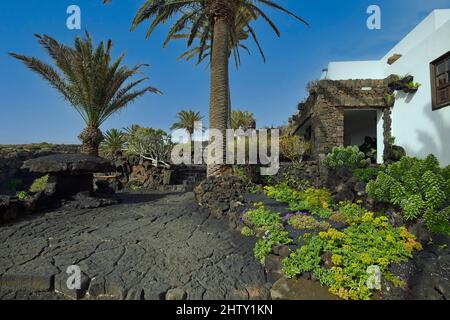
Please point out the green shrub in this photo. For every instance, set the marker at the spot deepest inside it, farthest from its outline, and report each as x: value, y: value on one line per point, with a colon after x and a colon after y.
x: 346, y: 158
x: 294, y: 148
x: 271, y: 224
x: 417, y: 187
x: 437, y: 222
x: 367, y: 174
x: 305, y: 222
x: 446, y: 173
x: 39, y: 184
x: 372, y: 242
x: 283, y: 193
x: 316, y: 201
x: 263, y: 218
x: 264, y: 246
x: 351, y: 212
x: 247, y: 232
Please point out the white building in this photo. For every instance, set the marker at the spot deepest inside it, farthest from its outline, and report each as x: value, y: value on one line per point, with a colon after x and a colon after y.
x: 421, y: 120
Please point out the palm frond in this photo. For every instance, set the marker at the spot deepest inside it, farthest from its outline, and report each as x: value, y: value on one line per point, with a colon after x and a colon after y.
x: 86, y: 76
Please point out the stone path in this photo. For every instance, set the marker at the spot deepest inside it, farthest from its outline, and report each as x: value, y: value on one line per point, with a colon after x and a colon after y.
x: 140, y: 249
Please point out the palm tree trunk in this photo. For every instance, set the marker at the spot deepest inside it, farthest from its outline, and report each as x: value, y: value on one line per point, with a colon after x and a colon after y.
x: 90, y: 137
x: 229, y: 106
x: 220, y: 96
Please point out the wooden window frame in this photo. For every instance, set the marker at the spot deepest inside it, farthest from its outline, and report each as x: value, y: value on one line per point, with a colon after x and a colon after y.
x: 434, y: 85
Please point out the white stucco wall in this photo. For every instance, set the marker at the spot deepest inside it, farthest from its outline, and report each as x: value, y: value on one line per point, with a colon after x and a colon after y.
x: 415, y: 126
x: 354, y: 70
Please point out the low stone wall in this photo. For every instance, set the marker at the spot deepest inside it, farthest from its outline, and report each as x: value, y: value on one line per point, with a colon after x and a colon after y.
x: 12, y: 157
x: 130, y: 170
x: 223, y: 197
x: 12, y: 208
x: 136, y: 171
x: 304, y: 173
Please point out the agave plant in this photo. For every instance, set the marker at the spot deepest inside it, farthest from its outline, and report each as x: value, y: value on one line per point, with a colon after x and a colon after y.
x: 90, y: 80
x: 212, y: 22
x: 113, y: 143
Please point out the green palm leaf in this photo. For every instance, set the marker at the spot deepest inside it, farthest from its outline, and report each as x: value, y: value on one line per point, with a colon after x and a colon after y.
x: 88, y: 79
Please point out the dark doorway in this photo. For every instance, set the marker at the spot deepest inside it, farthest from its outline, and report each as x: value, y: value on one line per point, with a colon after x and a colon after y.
x: 358, y: 125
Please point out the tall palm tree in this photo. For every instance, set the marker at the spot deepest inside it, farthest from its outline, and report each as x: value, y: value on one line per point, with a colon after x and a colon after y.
x: 218, y: 17
x: 88, y: 79
x: 242, y: 119
x: 187, y: 120
x: 240, y: 32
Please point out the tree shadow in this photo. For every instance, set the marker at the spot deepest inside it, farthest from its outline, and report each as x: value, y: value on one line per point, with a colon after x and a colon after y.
x: 137, y: 197
x: 429, y: 144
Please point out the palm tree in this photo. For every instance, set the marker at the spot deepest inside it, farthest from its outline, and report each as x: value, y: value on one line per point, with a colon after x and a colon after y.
x: 113, y: 143
x: 187, y: 121
x: 212, y: 22
x: 88, y: 79
x: 240, y: 32
x: 242, y: 119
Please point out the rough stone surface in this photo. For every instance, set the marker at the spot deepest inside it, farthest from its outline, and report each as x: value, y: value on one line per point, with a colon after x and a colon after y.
x: 300, y: 289
x: 136, y: 171
x: 306, y: 174
x: 139, y: 249
x: 221, y: 195
x: 76, y: 294
x: 176, y: 294
x: 69, y: 164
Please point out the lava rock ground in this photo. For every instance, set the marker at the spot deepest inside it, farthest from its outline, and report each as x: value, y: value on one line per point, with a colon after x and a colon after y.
x: 140, y: 249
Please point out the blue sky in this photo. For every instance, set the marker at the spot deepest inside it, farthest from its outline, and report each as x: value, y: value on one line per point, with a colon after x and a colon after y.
x: 31, y: 111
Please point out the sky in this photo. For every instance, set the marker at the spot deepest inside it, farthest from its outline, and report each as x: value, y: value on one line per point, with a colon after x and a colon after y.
x: 31, y: 111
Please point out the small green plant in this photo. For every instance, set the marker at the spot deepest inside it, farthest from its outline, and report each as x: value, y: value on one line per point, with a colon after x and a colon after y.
x: 242, y: 173
x: 316, y: 201
x: 305, y: 222
x: 39, y: 184
x: 22, y: 195
x: 264, y: 246
x: 270, y: 224
x: 247, y: 232
x: 283, y: 193
x: 346, y: 158
x: 352, y: 212
x: 255, y: 189
x: 135, y: 187
x: 413, y: 85
x: 390, y: 98
x: 262, y: 218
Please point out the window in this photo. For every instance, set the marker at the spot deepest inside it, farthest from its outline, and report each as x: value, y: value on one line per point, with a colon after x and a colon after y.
x: 440, y: 81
